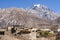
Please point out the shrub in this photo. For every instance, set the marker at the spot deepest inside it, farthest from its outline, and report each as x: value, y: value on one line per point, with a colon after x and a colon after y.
x: 46, y: 34
x: 25, y: 31
x: 50, y: 34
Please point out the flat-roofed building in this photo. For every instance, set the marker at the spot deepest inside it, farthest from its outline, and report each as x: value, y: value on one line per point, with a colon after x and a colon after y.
x: 2, y: 31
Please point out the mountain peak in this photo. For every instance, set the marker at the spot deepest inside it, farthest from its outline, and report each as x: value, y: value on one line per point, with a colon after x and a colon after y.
x: 43, y: 11
x: 40, y: 5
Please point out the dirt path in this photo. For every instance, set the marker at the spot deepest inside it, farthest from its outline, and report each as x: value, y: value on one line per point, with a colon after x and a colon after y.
x: 7, y: 37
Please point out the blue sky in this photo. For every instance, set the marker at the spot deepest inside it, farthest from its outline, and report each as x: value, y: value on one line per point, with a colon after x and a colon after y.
x: 52, y: 4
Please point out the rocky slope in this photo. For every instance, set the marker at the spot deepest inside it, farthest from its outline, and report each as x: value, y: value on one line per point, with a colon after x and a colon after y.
x: 43, y: 12
x: 36, y: 14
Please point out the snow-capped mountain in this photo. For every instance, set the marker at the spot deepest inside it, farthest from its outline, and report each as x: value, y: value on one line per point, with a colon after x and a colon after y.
x: 43, y: 11
x: 35, y: 15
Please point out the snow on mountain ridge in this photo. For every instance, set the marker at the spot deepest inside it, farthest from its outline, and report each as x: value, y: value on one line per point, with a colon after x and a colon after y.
x: 43, y: 11
x: 40, y: 5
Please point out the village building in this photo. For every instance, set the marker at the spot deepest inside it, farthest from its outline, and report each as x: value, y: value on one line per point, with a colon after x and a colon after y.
x: 2, y: 32
x: 58, y: 30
